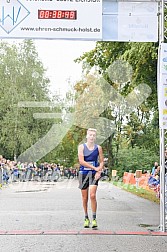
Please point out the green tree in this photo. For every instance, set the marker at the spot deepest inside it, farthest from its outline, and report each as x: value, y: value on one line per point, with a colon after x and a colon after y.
x: 22, y: 79
x: 136, y: 158
x: 131, y: 130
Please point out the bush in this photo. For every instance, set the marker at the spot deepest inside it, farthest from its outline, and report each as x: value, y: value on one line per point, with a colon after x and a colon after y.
x: 133, y: 159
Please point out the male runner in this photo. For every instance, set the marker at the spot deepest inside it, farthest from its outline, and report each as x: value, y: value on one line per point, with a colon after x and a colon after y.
x: 91, y: 164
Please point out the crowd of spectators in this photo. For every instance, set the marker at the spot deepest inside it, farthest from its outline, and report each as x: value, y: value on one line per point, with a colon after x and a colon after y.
x: 12, y: 171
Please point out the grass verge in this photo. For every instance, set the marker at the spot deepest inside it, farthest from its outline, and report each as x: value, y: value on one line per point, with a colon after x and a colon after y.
x: 141, y: 192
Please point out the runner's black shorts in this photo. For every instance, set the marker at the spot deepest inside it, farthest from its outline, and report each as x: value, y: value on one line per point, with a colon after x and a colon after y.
x: 85, y: 180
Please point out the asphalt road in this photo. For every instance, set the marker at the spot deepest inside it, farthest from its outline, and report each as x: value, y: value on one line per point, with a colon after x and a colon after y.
x: 48, y: 217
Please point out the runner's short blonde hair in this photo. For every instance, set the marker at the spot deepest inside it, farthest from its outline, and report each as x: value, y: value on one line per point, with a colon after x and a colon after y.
x: 92, y: 129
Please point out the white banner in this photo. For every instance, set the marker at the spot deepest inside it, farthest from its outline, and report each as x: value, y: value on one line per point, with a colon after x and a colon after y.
x: 130, y: 21
x: 52, y: 19
x: 137, y: 28
x: 138, y: 8
x: 140, y: 23
x: 162, y: 86
x: 79, y: 19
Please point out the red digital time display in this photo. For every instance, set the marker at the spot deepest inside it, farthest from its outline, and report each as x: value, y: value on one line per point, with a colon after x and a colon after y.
x: 57, y: 14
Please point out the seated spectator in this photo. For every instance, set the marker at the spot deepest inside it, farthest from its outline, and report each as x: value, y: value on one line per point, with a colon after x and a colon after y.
x: 154, y: 180
x: 156, y: 183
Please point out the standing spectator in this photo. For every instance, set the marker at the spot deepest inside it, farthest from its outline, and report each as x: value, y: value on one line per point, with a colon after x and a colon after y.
x: 15, y: 172
x: 154, y: 168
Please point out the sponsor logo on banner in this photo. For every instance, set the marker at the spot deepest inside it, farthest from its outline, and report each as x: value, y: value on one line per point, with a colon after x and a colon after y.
x: 162, y: 89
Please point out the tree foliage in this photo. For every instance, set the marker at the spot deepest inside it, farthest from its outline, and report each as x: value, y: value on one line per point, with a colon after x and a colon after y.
x: 132, y: 159
x: 22, y: 79
x: 139, y: 129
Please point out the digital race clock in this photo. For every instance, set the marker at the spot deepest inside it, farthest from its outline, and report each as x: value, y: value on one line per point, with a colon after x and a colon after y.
x: 57, y: 14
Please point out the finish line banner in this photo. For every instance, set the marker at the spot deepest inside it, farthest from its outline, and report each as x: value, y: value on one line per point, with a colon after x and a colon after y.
x: 51, y: 19
x: 98, y: 20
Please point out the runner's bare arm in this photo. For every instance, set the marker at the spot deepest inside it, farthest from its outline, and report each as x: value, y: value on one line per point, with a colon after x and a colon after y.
x: 101, y: 163
x: 101, y: 158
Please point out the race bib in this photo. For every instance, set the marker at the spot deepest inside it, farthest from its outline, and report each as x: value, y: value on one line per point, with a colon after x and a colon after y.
x: 89, y: 169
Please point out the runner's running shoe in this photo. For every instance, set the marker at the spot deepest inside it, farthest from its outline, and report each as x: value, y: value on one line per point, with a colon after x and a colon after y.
x: 86, y: 223
x: 94, y: 223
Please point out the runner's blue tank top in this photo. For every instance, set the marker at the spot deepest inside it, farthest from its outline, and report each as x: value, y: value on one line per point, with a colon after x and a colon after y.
x: 90, y: 156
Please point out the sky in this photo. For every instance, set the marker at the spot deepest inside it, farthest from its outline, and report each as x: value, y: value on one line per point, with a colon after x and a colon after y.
x: 58, y: 58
